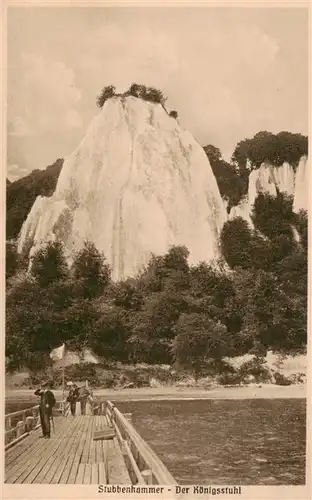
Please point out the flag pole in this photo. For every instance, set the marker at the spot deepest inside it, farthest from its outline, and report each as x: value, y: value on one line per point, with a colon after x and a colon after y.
x: 63, y: 380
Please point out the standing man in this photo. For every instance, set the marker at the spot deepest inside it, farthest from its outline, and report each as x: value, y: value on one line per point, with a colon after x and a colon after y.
x: 73, y: 397
x: 47, y: 401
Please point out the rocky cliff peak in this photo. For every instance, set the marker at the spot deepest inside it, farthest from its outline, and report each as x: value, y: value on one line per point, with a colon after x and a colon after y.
x: 137, y: 184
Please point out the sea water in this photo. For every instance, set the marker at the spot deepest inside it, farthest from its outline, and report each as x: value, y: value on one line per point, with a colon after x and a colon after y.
x: 247, y: 442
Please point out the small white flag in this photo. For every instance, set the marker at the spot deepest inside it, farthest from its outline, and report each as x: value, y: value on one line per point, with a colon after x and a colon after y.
x: 58, y: 353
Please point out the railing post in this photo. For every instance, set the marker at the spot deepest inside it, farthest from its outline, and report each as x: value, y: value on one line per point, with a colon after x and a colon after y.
x: 128, y: 416
x: 147, y: 476
x: 20, y: 428
x: 7, y: 423
x: 36, y: 416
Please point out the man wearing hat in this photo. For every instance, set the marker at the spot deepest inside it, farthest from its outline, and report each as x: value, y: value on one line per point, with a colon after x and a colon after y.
x: 72, y: 397
x: 47, y: 401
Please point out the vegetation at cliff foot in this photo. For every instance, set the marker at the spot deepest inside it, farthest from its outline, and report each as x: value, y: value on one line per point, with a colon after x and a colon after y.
x: 191, y: 317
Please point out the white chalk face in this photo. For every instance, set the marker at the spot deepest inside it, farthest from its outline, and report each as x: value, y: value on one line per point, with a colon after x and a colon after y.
x: 271, y: 179
x: 137, y: 184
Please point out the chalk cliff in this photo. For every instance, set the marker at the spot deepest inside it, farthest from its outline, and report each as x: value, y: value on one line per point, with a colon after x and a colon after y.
x: 271, y: 179
x: 137, y: 184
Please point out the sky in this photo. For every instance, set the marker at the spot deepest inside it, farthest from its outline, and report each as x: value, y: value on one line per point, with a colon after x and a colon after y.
x: 229, y: 72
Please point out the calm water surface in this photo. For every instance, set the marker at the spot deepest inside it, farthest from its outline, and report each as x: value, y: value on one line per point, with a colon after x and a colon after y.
x: 245, y: 442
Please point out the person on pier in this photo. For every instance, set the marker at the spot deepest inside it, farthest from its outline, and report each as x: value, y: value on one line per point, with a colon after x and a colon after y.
x: 47, y: 401
x: 73, y: 397
x: 85, y: 396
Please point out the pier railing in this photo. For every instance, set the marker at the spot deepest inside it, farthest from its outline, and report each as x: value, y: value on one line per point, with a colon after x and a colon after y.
x: 142, y: 462
x: 19, y: 424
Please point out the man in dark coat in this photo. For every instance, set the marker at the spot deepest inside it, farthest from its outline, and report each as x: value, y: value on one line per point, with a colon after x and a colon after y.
x: 47, y: 401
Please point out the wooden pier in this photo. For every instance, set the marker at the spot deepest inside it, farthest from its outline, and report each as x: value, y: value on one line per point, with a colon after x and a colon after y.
x: 73, y: 456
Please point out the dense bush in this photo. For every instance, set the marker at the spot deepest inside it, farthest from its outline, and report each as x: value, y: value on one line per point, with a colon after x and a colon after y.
x: 90, y: 271
x: 256, y: 368
x: 229, y: 378
x: 273, y: 215
x: 280, y: 379
x: 170, y: 312
x: 49, y: 264
x: 236, y: 238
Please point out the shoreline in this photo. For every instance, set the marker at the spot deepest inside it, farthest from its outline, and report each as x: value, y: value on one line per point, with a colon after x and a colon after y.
x: 265, y: 391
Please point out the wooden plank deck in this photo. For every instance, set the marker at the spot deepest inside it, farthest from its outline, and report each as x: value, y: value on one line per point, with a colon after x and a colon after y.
x: 70, y: 456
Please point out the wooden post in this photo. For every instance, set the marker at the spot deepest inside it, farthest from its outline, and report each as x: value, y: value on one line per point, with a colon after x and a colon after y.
x: 128, y: 416
x: 20, y: 428
x: 8, y: 423
x: 147, y: 476
x: 35, y: 414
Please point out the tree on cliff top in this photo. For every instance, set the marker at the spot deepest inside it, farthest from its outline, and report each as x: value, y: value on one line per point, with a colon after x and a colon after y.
x: 136, y: 90
x: 276, y: 149
x: 106, y: 93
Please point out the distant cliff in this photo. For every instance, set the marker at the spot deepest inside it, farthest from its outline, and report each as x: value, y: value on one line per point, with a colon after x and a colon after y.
x: 272, y: 179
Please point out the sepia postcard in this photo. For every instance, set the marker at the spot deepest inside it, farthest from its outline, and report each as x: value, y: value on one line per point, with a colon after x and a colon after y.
x: 156, y: 191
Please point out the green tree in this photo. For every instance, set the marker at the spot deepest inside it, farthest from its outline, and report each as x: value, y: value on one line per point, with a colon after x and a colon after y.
x: 106, y: 93
x: 198, y: 339
x: 273, y: 215
x: 78, y: 322
x: 109, y: 335
x: 232, y: 185
x: 137, y: 90
x: 90, y: 271
x: 49, y: 264
x: 25, y: 323
x: 208, y: 281
x: 168, y: 272
x: 154, y: 95
x: 127, y: 295
x: 236, y: 238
